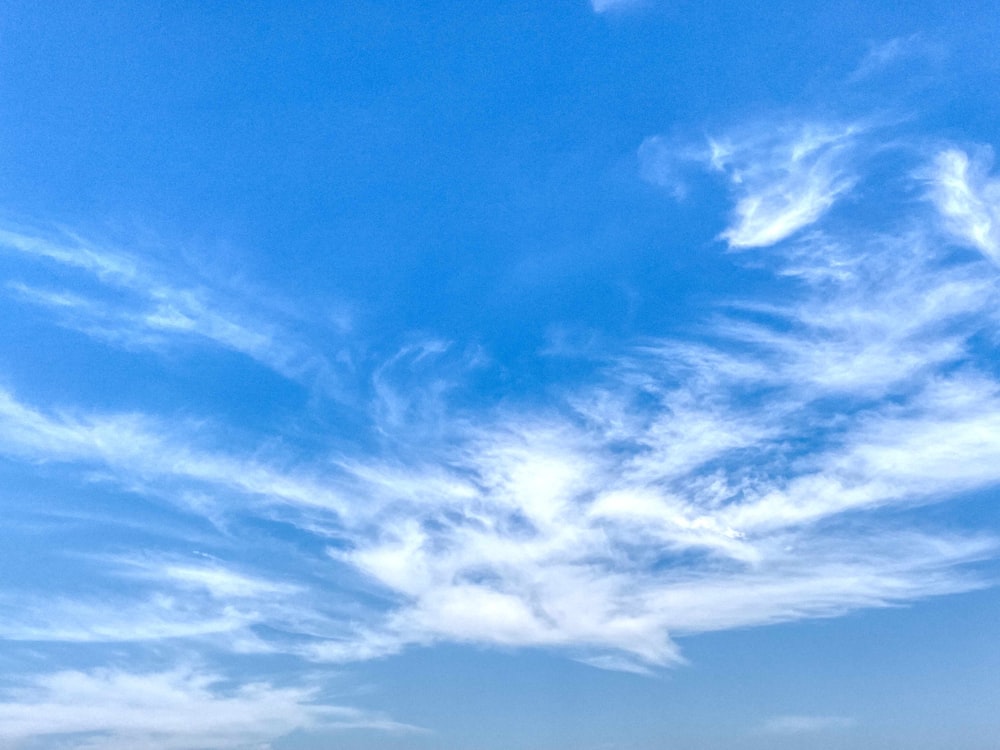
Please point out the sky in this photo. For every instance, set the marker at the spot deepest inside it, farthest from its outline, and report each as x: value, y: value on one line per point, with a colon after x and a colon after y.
x: 611, y: 375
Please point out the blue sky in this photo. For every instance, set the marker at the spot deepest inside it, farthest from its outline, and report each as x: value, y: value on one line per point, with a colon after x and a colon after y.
x: 611, y: 375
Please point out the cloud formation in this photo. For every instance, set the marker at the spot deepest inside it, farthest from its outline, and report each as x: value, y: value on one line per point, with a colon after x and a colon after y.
x: 692, y: 487
x: 139, y: 305
x: 968, y: 199
x: 140, y: 448
x: 889, y: 54
x: 767, y: 471
x: 785, y: 184
x: 605, y: 6
x: 783, y: 176
x: 114, y: 709
x: 793, y: 725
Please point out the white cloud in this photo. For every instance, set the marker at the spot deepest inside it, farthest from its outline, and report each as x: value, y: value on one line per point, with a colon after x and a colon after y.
x: 114, y: 268
x: 691, y: 487
x: 605, y: 6
x: 111, y: 619
x: 180, y: 709
x: 223, y: 583
x: 784, y: 177
x: 682, y: 494
x: 786, y: 184
x: 141, y: 448
x: 944, y: 446
x: 559, y: 562
x: 142, y: 305
x: 666, y: 499
x: 806, y: 724
x: 968, y: 199
x: 889, y: 54
x: 662, y: 162
x: 184, y: 602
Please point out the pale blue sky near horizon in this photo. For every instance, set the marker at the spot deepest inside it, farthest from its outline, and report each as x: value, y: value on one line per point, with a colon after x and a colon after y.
x: 596, y: 375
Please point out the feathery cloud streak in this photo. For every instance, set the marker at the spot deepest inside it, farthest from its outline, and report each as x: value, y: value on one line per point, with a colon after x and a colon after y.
x: 182, y: 708
x: 806, y: 724
x: 607, y: 6
x: 783, y: 177
x: 138, y: 305
x: 968, y: 199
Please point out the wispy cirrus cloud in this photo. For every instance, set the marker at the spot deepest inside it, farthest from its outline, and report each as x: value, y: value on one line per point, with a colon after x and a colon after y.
x: 663, y: 161
x: 140, y: 448
x: 783, y: 176
x: 792, y: 725
x: 117, y: 619
x: 555, y: 539
x: 685, y: 451
x: 607, y: 6
x: 968, y: 198
x: 219, y: 581
x: 141, y: 304
x: 786, y: 183
x: 690, y: 486
x: 887, y: 55
x: 181, y: 708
